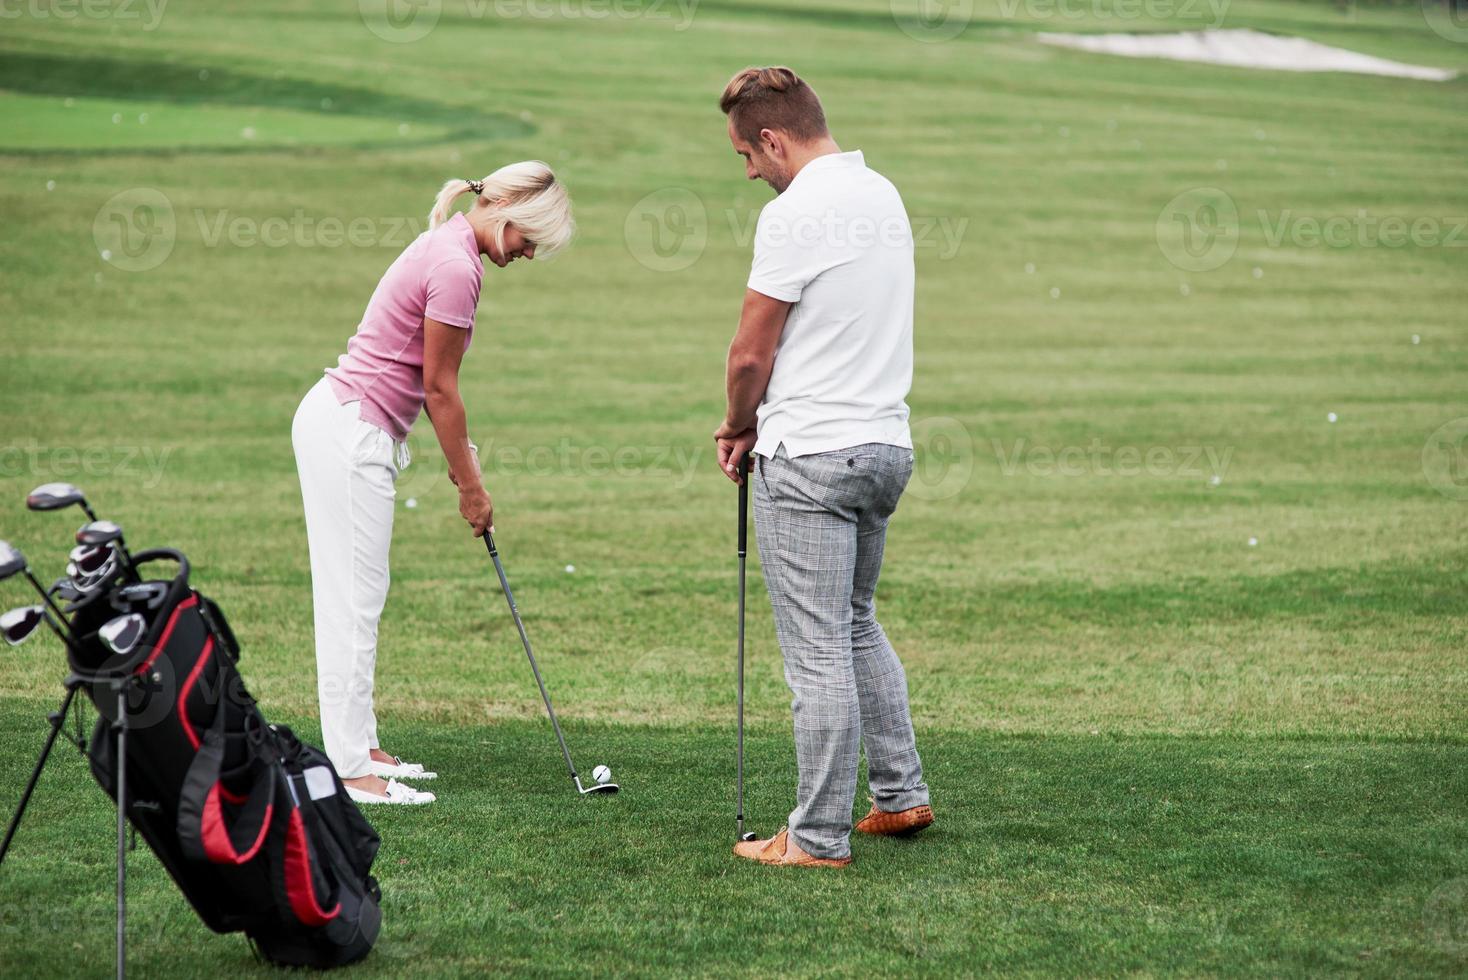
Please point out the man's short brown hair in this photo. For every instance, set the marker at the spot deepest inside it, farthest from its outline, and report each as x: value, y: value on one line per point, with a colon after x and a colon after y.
x: 773, y: 98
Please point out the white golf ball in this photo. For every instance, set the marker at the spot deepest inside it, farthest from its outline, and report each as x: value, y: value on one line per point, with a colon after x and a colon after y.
x: 1215, y: 480
x: 1253, y: 542
x: 570, y: 569
x: 411, y: 503
x: 601, y: 774
x: 1330, y: 416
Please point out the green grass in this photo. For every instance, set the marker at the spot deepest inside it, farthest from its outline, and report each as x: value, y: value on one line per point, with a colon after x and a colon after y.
x: 1154, y: 749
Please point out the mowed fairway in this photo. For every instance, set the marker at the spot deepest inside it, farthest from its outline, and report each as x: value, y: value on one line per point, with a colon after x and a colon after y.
x: 1173, y: 725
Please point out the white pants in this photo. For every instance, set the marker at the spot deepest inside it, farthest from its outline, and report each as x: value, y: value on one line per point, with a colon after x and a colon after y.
x: 347, y: 470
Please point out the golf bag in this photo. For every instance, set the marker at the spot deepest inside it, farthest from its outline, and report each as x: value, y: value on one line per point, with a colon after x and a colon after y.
x: 253, y: 825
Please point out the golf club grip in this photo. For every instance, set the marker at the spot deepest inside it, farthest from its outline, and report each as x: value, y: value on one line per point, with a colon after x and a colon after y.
x: 744, y: 505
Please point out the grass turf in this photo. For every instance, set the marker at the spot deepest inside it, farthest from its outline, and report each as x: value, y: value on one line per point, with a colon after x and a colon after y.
x: 1154, y: 748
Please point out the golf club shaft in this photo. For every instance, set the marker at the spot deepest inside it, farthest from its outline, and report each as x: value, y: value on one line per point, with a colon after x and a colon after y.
x: 121, y: 829
x: 52, y: 603
x: 743, y: 551
x: 525, y: 640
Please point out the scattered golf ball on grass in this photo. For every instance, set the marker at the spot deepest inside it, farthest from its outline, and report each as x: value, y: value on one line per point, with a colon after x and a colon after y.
x: 1253, y: 542
x: 601, y: 774
x: 411, y: 503
x: 1330, y: 416
x: 570, y: 569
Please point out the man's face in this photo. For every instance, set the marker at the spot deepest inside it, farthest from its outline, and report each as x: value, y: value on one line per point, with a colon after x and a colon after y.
x: 762, y: 160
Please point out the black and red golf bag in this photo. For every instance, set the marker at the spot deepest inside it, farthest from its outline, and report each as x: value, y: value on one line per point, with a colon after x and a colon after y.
x: 253, y: 825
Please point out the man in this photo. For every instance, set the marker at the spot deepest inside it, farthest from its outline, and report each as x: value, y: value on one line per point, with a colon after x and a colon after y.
x: 817, y: 378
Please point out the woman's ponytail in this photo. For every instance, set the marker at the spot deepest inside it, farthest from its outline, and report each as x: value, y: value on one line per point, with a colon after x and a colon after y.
x: 446, y: 197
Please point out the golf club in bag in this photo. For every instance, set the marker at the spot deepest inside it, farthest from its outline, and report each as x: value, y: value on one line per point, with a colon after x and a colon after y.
x: 254, y: 826
x: 602, y: 785
x: 739, y: 830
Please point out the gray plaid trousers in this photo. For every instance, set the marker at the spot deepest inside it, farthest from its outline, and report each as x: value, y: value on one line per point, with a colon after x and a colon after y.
x: 821, y: 523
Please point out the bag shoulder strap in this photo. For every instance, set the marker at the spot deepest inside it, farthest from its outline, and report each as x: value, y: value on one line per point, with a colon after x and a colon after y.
x: 203, y: 828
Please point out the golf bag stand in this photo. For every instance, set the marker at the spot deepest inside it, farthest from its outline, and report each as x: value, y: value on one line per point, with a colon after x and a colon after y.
x: 57, y: 720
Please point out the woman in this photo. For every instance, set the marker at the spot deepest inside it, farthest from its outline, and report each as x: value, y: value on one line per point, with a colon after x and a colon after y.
x: 350, y: 430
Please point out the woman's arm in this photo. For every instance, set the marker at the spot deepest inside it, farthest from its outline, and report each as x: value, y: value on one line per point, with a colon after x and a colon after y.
x: 443, y: 351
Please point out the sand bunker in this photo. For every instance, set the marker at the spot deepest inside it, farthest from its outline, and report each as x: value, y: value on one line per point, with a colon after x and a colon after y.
x: 1244, y: 49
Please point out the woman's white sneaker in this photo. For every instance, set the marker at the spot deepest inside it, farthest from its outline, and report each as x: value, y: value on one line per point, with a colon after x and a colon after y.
x: 398, y: 769
x: 396, y: 793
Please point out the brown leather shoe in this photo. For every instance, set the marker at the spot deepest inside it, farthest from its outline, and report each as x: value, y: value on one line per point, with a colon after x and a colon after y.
x: 780, y: 849
x: 903, y: 823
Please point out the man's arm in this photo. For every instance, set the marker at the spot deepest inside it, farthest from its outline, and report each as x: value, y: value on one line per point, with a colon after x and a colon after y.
x: 751, y: 359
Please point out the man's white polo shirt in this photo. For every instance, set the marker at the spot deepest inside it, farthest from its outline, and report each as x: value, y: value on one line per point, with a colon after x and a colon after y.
x: 837, y: 244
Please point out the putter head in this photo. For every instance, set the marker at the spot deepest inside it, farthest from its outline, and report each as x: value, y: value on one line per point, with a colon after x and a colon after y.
x: 748, y: 835
x: 595, y: 787
x: 11, y: 560
x: 54, y: 496
x: 122, y: 633
x: 98, y: 532
x: 17, y: 625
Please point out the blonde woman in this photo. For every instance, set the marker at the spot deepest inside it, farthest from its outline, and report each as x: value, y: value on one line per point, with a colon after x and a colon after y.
x: 349, y: 435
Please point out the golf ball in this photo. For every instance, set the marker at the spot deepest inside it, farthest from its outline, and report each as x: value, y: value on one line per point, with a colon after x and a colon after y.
x: 570, y: 569
x: 1253, y: 542
x: 1330, y: 416
x: 601, y: 774
x: 411, y: 503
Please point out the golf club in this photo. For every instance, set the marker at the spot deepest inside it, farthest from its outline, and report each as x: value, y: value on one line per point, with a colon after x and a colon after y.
x: 12, y: 563
x: 99, y: 533
x: 602, y: 772
x: 17, y: 625
x: 91, y: 568
x: 122, y: 633
x: 740, y: 832
x: 54, y: 496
